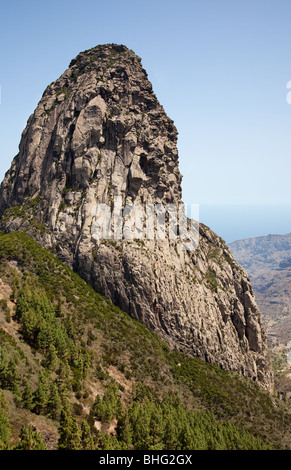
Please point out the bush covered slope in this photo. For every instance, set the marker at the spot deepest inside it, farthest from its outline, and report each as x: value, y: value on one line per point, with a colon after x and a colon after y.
x: 78, y: 373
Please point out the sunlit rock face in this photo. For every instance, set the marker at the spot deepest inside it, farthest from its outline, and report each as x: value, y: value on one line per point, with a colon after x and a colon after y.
x: 99, y: 133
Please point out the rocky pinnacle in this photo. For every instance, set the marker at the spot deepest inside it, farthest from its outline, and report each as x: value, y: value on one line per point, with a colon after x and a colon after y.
x: 99, y: 132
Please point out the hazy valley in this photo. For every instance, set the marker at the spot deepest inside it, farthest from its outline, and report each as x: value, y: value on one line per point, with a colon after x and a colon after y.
x: 267, y: 260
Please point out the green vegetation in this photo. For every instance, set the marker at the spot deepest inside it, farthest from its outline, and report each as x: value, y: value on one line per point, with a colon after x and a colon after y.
x: 30, y: 440
x: 211, y: 280
x: 92, y: 60
x: 158, y: 424
x: 27, y: 212
x: 4, y: 423
x: 22, y: 209
x: 84, y: 372
x: 68, y: 189
x: 64, y: 91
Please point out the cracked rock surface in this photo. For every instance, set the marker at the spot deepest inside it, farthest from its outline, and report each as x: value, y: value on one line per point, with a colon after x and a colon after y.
x: 99, y: 132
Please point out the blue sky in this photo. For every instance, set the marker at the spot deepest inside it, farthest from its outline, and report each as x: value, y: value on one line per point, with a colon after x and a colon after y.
x: 219, y: 68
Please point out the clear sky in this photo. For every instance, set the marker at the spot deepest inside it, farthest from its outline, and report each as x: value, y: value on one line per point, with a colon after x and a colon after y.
x: 219, y: 67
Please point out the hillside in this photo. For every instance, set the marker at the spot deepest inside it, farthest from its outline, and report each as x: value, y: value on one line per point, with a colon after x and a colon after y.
x: 78, y: 372
x: 268, y: 263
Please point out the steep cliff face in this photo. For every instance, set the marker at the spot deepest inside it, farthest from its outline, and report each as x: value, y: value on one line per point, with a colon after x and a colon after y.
x: 100, y: 132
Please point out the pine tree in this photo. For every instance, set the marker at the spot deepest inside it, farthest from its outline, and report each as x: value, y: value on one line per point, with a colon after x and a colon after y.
x: 186, y: 438
x: 29, y: 324
x: 54, y: 403
x: 41, y: 396
x: 9, y: 376
x: 106, y: 442
x: 97, y: 409
x: 30, y: 440
x: 124, y: 430
x: 4, y: 423
x: 86, y: 437
x: 171, y: 435
x: 64, y: 370
x: 111, y: 404
x: 15, y: 288
x: 27, y: 396
x: 70, y: 435
x: 52, y: 358
x: 156, y: 428
x: 141, y: 429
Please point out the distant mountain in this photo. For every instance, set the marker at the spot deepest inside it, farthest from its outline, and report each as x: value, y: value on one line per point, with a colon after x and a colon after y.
x: 267, y: 260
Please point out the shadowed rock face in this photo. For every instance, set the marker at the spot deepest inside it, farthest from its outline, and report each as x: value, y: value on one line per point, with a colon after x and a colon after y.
x: 98, y: 132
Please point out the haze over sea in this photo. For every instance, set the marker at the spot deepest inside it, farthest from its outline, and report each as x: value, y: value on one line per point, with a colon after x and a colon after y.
x: 235, y: 222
